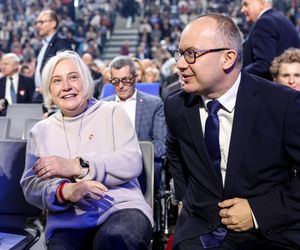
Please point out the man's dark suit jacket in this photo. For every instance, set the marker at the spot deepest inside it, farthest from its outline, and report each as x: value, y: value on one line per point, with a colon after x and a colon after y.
x: 263, y: 158
x: 56, y: 44
x: 269, y: 37
x: 25, y: 91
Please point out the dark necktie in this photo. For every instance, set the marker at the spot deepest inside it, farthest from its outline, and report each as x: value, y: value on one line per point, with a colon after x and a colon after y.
x: 216, y: 237
x: 12, y: 91
x: 212, y: 134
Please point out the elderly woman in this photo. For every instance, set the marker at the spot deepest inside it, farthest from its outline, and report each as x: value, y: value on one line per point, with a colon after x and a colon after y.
x: 82, y: 165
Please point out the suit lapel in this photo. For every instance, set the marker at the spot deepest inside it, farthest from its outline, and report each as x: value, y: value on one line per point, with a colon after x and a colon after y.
x: 2, y: 87
x: 49, y: 47
x: 192, y: 117
x: 244, y: 116
x: 138, y: 112
x: 21, y: 89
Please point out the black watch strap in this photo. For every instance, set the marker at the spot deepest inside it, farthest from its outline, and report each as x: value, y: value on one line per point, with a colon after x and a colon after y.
x: 83, y: 163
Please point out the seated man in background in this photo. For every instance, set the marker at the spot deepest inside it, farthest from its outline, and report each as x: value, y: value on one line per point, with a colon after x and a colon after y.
x: 145, y: 110
x: 285, y: 69
x: 96, y: 74
x: 14, y: 87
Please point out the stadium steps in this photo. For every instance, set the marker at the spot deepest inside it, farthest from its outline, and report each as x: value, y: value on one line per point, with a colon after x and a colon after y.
x: 119, y: 36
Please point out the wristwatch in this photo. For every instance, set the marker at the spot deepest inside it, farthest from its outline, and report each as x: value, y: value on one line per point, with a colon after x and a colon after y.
x: 84, y: 168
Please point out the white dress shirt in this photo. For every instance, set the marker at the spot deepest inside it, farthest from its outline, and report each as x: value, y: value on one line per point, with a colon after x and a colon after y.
x: 225, y: 114
x: 37, y: 74
x: 130, y: 106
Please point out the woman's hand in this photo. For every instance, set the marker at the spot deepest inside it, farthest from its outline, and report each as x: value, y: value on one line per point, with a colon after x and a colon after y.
x: 84, y: 189
x: 50, y: 166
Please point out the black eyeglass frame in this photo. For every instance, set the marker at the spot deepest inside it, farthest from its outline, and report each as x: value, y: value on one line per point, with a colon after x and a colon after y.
x: 126, y: 81
x: 196, y: 53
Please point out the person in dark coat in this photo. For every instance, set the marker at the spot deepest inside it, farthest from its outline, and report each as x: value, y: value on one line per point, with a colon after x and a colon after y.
x: 270, y: 35
x: 47, y: 25
x: 14, y: 87
x: 236, y: 168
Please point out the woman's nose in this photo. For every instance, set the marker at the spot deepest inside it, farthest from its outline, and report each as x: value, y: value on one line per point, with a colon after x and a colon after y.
x: 66, y: 84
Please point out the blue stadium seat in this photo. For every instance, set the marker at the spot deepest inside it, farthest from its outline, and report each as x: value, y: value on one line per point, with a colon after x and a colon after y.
x: 150, y: 88
x: 15, y: 212
x: 18, y: 114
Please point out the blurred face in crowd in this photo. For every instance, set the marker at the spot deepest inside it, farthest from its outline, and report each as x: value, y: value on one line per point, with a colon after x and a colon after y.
x: 45, y: 25
x: 66, y: 88
x: 289, y: 74
x: 9, y: 66
x: 252, y: 9
x: 123, y: 81
x: 87, y: 58
x: 139, y: 72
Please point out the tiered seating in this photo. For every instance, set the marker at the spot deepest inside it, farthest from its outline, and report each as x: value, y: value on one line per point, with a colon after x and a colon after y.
x: 150, y: 88
x: 18, y: 114
x: 4, y: 127
x: 29, y: 123
x: 146, y: 178
x: 15, y: 212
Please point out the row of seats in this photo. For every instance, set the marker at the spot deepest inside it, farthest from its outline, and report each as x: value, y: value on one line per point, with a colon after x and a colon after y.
x: 19, y: 119
x: 150, y: 88
x: 15, y: 211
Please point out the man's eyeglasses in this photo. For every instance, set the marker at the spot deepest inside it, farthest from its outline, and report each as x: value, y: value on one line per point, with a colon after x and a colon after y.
x: 42, y: 21
x: 127, y: 81
x: 190, y: 55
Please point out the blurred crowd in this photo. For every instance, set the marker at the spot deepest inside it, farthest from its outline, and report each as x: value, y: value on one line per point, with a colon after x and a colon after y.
x: 88, y: 24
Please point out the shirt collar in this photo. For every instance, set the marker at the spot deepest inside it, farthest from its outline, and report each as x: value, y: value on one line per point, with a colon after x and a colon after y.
x: 261, y: 13
x: 47, y: 39
x: 228, y: 99
x: 132, y: 98
x: 14, y: 77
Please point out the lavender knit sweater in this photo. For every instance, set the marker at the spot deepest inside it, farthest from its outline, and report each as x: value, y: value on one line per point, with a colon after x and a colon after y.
x: 108, y: 141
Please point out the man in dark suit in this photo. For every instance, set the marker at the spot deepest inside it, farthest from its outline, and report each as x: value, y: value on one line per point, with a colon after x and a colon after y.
x: 145, y: 111
x: 236, y: 169
x: 14, y: 87
x: 47, y: 25
x: 271, y: 34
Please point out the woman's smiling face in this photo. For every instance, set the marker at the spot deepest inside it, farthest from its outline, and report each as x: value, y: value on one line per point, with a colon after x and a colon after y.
x: 66, y: 88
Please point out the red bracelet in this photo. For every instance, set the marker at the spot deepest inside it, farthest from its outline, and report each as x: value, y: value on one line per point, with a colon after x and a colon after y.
x: 59, y: 191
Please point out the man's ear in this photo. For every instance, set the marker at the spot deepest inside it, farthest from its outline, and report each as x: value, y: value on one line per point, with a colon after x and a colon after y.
x: 230, y: 57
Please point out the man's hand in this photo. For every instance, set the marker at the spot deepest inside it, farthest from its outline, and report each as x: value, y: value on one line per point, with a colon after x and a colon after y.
x: 236, y: 214
x: 50, y: 166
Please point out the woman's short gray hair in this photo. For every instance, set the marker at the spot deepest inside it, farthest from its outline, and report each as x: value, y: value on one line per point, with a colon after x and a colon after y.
x: 83, y: 70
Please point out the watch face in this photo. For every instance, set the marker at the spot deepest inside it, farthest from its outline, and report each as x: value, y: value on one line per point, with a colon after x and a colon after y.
x: 83, y: 163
